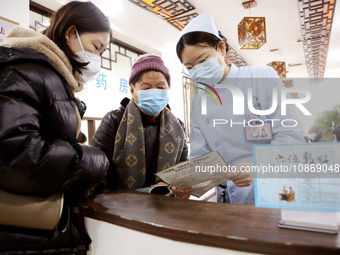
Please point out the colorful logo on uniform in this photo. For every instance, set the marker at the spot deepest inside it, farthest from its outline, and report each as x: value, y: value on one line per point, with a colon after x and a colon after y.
x: 209, y: 93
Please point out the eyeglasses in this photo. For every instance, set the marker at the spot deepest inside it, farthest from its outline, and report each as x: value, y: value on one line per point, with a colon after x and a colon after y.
x: 200, y: 65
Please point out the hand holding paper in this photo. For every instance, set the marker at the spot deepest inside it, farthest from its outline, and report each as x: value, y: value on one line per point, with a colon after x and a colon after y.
x: 182, y: 193
x: 202, y: 173
x: 245, y: 178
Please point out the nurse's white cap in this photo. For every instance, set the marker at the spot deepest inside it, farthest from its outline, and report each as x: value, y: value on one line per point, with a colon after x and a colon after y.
x: 202, y: 23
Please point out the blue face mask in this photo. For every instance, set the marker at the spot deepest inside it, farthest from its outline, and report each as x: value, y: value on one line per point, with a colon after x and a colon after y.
x: 209, y: 72
x: 152, y: 101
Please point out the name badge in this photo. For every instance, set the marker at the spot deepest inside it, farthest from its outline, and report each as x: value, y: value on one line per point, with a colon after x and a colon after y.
x: 258, y: 131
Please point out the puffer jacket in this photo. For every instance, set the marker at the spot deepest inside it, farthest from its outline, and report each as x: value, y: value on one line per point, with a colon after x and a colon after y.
x: 39, y: 154
x: 104, y: 139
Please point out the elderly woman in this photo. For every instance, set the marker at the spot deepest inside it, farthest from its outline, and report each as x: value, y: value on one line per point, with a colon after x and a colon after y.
x: 143, y: 136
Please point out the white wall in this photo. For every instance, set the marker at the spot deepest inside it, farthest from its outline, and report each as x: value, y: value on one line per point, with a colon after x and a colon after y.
x: 176, y: 90
x: 110, y: 239
x: 100, y: 100
x: 16, y: 10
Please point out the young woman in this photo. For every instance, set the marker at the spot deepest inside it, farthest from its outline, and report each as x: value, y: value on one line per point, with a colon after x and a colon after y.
x: 40, y: 121
x: 202, y: 50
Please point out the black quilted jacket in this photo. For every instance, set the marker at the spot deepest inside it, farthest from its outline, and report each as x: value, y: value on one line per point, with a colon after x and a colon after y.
x: 105, y: 137
x: 38, y: 125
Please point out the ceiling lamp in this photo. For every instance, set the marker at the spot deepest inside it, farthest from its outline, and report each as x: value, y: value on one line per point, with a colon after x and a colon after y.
x: 279, y: 67
x: 251, y: 30
x: 290, y: 84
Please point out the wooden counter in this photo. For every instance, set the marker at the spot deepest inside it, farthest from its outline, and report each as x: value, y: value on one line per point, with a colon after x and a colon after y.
x: 91, y: 127
x: 237, y: 227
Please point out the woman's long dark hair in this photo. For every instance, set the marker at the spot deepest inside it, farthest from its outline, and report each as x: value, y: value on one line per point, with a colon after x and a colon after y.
x: 198, y: 38
x: 85, y: 16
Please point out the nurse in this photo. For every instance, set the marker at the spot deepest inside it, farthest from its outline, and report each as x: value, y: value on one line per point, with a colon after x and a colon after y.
x: 223, y: 127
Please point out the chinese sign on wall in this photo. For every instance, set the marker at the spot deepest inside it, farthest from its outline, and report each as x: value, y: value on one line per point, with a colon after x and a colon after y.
x: 5, y: 26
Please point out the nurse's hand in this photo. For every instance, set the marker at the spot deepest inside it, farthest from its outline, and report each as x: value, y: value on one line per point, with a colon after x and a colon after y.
x: 243, y: 182
x: 246, y: 177
x: 183, y: 193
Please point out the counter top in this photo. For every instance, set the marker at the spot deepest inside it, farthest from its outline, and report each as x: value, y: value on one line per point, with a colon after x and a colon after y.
x: 238, y: 227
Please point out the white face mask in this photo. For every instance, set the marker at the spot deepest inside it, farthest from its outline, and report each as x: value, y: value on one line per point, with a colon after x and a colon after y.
x: 211, y: 75
x: 89, y: 71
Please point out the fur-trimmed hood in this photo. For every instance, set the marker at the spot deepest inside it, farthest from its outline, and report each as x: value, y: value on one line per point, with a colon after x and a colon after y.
x: 27, y: 38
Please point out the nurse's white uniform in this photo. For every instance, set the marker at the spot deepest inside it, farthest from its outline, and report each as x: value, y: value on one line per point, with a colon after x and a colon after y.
x: 229, y: 140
